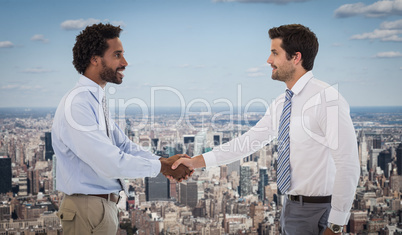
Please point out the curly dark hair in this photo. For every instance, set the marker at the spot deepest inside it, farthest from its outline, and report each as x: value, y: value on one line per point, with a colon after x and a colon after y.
x: 297, y: 38
x: 92, y: 42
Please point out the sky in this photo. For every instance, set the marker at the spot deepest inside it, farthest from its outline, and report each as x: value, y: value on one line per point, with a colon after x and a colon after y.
x: 200, y: 52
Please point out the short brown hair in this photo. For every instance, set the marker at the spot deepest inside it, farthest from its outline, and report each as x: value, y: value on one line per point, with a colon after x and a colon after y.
x: 297, y: 38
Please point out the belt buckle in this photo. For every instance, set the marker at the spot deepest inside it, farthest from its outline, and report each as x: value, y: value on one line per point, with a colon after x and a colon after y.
x: 294, y: 198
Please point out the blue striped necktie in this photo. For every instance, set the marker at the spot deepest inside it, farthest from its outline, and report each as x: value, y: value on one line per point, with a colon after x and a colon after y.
x: 283, y: 169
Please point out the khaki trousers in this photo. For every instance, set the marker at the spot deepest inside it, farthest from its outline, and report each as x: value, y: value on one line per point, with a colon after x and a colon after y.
x: 82, y: 215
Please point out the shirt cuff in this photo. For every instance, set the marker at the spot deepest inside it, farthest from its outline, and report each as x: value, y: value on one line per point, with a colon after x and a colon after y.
x: 155, y: 167
x: 339, y: 218
x: 210, y: 159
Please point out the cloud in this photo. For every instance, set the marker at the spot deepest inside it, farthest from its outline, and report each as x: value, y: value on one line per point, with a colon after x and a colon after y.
x: 37, y: 70
x: 377, y: 9
x: 81, y: 23
x: 257, y: 71
x: 391, y: 24
x: 262, y: 1
x: 40, y: 38
x: 19, y: 87
x: 388, y: 31
x: 6, y: 44
x: 121, y: 23
x: 188, y: 66
x: 8, y: 87
x: 388, y: 54
x: 78, y: 24
x: 183, y: 66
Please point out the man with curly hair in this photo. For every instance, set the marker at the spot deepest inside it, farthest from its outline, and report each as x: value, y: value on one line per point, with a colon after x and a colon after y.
x: 93, y: 153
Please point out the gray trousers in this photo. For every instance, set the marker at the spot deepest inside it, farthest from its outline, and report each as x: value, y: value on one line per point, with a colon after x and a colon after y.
x: 300, y: 218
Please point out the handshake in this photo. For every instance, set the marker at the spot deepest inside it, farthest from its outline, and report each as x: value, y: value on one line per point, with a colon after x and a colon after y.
x: 180, y: 172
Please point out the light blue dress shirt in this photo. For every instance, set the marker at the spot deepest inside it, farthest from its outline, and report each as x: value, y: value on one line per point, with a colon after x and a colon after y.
x: 88, y: 161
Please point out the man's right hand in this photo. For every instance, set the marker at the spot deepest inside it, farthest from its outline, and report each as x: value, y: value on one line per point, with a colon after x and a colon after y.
x: 191, y: 163
x: 180, y: 173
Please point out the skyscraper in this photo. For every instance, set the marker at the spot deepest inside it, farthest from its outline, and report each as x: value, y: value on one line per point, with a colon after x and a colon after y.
x: 245, y: 181
x: 262, y: 183
x: 399, y: 159
x: 5, y: 174
x: 199, y: 143
x: 224, y: 171
x: 54, y: 165
x: 48, y: 146
x: 377, y: 142
x: 157, y: 189
x: 23, y: 184
x: 217, y: 140
x: 188, y: 193
x: 234, y: 166
x: 189, y: 144
x: 383, y: 159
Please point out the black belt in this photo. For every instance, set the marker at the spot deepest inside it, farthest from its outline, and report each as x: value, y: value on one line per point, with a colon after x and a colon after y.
x: 297, y: 198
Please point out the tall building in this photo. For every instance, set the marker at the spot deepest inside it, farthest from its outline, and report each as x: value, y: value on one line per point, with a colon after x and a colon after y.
x: 383, y: 159
x: 23, y: 184
x: 357, y: 221
x: 262, y: 183
x: 363, y: 153
x: 399, y: 159
x: 188, y: 141
x: 234, y: 167
x: 54, y: 165
x: 224, y: 171
x: 377, y: 142
x: 48, y: 146
x: 245, y: 181
x: 157, y: 188
x: 257, y: 213
x: 5, y: 174
x: 155, y: 142
x: 217, y: 140
x: 188, y: 193
x: 200, y: 143
x: 373, y: 162
x: 394, y: 179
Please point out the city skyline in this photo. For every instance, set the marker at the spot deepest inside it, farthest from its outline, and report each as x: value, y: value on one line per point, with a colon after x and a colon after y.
x: 240, y: 196
x: 200, y: 51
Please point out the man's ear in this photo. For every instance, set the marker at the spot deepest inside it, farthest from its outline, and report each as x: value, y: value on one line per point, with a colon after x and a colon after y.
x: 95, y: 60
x: 297, y: 57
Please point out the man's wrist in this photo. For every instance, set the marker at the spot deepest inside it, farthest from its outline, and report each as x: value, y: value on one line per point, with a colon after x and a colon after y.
x: 335, y: 228
x: 163, y: 165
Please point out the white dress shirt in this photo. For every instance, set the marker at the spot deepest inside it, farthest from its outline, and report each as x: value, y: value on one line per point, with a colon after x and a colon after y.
x: 323, y: 146
x: 88, y: 161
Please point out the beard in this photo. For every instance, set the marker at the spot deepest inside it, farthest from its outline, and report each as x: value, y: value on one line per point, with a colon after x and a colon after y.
x: 285, y: 74
x: 109, y: 75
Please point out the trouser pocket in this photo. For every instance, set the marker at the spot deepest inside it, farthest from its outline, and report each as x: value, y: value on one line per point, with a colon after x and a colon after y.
x: 67, y: 217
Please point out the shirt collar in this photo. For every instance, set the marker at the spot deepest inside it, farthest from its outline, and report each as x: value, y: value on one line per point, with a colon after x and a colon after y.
x: 97, y: 91
x: 301, y: 83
